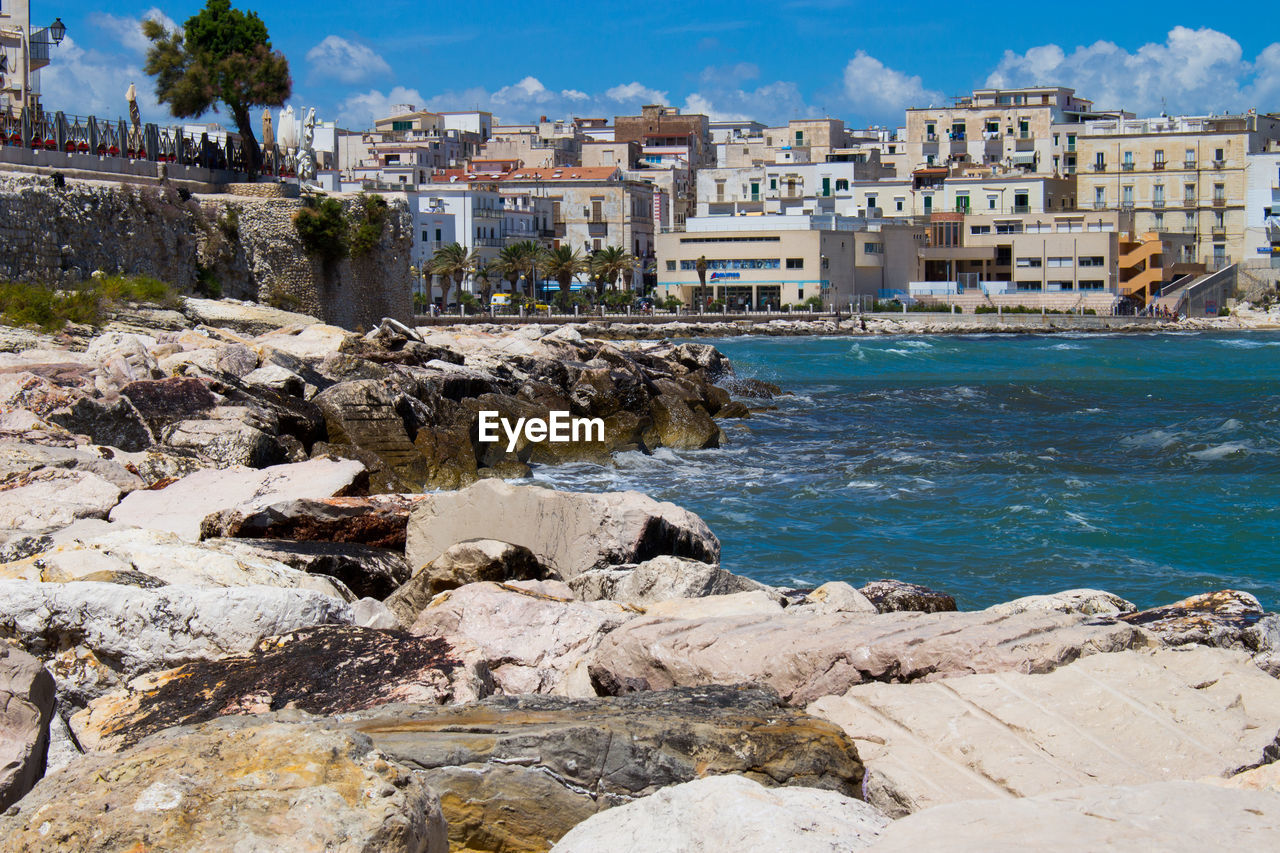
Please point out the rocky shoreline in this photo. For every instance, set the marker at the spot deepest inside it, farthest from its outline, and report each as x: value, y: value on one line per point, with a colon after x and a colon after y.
x: 262, y: 587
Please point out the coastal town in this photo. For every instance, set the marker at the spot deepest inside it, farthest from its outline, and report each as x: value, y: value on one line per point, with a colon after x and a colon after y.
x: 662, y: 481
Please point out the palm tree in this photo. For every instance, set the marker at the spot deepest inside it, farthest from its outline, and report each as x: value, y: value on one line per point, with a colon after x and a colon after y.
x: 484, y: 275
x: 563, y: 263
x: 701, y: 267
x: 516, y: 260
x: 609, y: 263
x: 453, y: 262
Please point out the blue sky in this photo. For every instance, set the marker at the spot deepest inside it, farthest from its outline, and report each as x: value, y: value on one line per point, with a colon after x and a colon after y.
x: 860, y: 61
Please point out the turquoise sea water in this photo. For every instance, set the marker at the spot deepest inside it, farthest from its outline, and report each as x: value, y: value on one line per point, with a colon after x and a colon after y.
x: 993, y: 466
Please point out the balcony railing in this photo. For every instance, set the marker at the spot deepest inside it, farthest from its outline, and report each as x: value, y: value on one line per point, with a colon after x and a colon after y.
x: 1219, y: 201
x: 1188, y: 164
x: 1218, y: 230
x: 39, y: 45
x: 931, y: 137
x: 1157, y: 203
x: 1100, y: 205
x: 1126, y: 205
x: 1158, y: 166
x: 1099, y: 167
x: 1022, y: 208
x: 1126, y: 167
x: 1219, y: 164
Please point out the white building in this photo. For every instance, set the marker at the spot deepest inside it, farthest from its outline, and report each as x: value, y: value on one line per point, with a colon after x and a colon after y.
x: 1262, y: 206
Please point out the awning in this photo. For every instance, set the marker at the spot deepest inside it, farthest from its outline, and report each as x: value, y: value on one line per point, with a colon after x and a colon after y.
x: 1021, y: 158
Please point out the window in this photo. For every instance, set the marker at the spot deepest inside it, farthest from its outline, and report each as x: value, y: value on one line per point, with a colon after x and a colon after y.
x: 1090, y: 261
x: 993, y: 126
x: 1030, y: 263
x: 734, y: 264
x: 1219, y: 193
x: 1060, y: 261
x: 1190, y: 158
x: 1008, y: 227
x: 1059, y: 285
x: 871, y: 202
x: 1091, y: 284
x: 1157, y: 195
x: 438, y: 238
x: 842, y: 184
x: 1099, y: 196
x: 1159, y: 158
x: 1189, y: 192
x: 992, y: 200
x: 795, y: 263
x: 426, y: 236
x: 1219, y: 154
x: 1157, y: 221
x: 1126, y: 195
x: 1029, y: 286
x: 401, y: 125
x: 671, y: 266
x: 799, y: 137
x: 898, y: 202
x: 873, y: 248
x: 979, y: 229
x: 393, y: 159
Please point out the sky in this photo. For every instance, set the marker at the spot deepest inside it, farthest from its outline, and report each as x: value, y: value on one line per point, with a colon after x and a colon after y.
x: 864, y: 62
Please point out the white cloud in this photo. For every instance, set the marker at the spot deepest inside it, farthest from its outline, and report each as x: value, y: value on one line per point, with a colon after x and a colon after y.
x: 128, y: 31
x: 876, y: 92
x: 347, y: 61
x: 636, y: 92
x: 722, y: 96
x: 84, y: 82
x: 1191, y: 71
x: 359, y: 111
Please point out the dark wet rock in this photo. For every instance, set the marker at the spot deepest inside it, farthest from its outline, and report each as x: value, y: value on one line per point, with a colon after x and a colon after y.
x: 26, y: 708
x: 117, y: 424
x: 518, y: 772
x: 363, y: 414
x: 161, y: 402
x: 1227, y: 619
x: 367, y: 571
x: 892, y: 595
x: 378, y: 520
x: 681, y: 427
x: 325, y: 670
x: 702, y: 357
x: 734, y: 409
x: 293, y: 416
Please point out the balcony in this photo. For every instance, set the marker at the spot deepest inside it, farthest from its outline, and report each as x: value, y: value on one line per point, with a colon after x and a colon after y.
x: 1158, y: 166
x: 1127, y: 204
x: 1219, y: 201
x: 486, y: 213
x: 1219, y: 164
x: 39, y: 45
x: 1071, y: 146
x: 1218, y: 231
x: 1099, y: 167
x: 1188, y: 164
x: 489, y: 242
x: 1126, y: 167
x: 1157, y: 203
x: 931, y: 137
x: 1101, y: 205
x: 1022, y: 208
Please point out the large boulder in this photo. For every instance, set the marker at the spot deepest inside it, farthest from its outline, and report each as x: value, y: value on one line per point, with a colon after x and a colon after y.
x: 54, y: 497
x: 182, y: 507
x: 1118, y: 719
x: 237, y: 783
x: 1091, y: 602
x: 531, y: 641
x: 115, y: 424
x: 96, y: 635
x: 1225, y: 619
x: 1171, y: 817
x: 363, y: 414
x: 805, y: 654
x: 659, y: 579
x: 378, y: 520
x: 161, y: 402
x: 569, y: 532
x: 226, y: 442
x: 891, y: 596
x: 106, y: 551
x: 726, y: 814
x: 18, y: 457
x: 26, y: 708
x: 473, y: 561
x: 516, y: 773
x: 246, y: 318
x: 367, y: 571
x: 678, y: 425
x: 325, y: 670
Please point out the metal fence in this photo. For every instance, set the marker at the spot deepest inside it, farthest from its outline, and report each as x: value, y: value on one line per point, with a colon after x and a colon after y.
x: 73, y: 134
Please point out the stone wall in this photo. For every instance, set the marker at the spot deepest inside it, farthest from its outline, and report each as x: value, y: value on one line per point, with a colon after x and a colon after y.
x: 247, y: 245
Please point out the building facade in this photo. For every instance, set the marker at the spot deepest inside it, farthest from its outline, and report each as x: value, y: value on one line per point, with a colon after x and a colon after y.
x: 1185, y: 174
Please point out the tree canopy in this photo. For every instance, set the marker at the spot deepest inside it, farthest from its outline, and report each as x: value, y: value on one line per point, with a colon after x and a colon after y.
x: 220, y: 56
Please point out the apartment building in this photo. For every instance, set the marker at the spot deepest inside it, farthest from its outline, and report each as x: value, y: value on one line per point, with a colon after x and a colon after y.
x: 1028, y: 129
x: 478, y: 123
x: 25, y: 51
x: 729, y: 131
x: 1087, y: 254
x: 1183, y: 173
x: 855, y: 188
x: 545, y: 145
x: 661, y: 126
x: 767, y: 261
x: 591, y: 208
x: 1262, y: 205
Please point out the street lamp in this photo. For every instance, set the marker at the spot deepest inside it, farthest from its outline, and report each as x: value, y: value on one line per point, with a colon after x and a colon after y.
x: 57, y: 30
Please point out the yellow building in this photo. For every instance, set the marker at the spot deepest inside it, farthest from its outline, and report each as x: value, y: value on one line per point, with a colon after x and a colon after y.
x: 1179, y: 174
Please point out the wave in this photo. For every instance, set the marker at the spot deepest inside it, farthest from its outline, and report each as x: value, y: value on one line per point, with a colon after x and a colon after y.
x: 1221, y: 451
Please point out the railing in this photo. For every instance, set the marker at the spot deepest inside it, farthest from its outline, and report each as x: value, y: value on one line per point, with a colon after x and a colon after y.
x: 1219, y: 202
x: 1100, y: 205
x: 1022, y: 208
x: 1219, y: 164
x: 1158, y: 166
x: 38, y: 46
x: 1099, y: 167
x: 1157, y: 203
x: 1188, y: 164
x: 72, y: 134
x: 1126, y: 167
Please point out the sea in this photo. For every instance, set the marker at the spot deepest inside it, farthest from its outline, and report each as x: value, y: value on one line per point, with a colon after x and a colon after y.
x: 991, y: 466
